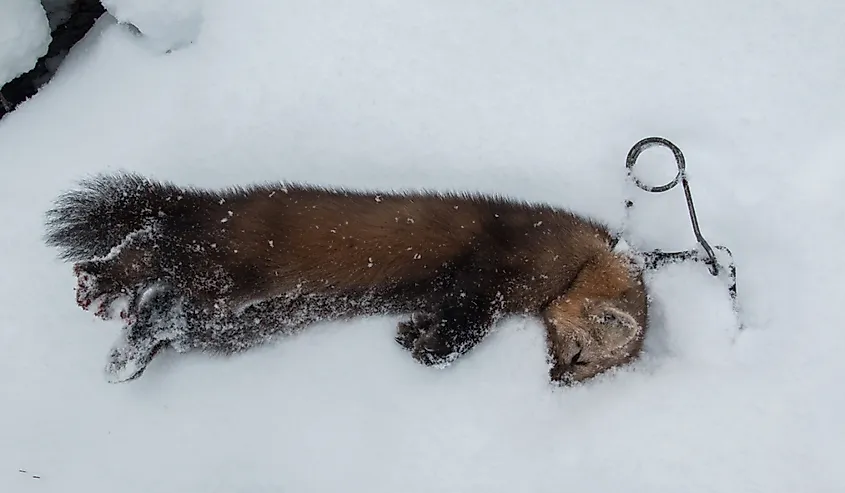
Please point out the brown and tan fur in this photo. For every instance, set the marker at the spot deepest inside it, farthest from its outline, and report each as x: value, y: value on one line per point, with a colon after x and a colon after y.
x: 292, y: 255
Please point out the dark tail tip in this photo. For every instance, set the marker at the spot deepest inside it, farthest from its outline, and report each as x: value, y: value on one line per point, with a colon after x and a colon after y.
x: 90, y: 220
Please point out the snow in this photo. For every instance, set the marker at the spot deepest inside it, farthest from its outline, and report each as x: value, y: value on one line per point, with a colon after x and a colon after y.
x: 24, y: 37
x: 166, y: 24
x: 539, y: 101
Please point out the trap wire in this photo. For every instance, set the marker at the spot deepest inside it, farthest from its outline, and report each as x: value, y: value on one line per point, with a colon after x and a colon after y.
x: 705, y: 253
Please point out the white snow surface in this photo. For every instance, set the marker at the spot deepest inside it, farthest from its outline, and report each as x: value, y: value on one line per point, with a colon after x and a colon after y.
x: 24, y: 37
x: 539, y: 101
x: 166, y: 24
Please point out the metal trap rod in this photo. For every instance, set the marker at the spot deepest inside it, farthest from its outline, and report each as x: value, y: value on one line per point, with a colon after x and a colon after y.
x: 657, y: 258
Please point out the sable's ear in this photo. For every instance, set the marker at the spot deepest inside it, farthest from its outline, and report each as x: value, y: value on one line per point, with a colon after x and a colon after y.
x: 614, y: 328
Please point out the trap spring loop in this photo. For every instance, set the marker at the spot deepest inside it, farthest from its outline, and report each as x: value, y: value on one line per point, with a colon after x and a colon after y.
x: 657, y: 258
x: 635, y: 152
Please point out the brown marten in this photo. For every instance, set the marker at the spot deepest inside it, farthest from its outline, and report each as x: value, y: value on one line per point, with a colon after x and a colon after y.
x: 224, y: 270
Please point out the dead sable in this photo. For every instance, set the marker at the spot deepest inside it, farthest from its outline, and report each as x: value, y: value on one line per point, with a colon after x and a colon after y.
x: 225, y: 270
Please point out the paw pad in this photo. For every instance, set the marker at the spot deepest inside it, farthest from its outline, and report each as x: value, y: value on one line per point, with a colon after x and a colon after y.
x: 91, y: 294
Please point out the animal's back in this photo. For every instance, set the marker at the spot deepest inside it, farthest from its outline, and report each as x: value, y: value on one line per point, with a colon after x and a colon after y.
x: 339, y: 240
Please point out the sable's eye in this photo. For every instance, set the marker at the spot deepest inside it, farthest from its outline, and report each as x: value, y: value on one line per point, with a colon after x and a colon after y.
x: 576, y: 360
x: 606, y: 318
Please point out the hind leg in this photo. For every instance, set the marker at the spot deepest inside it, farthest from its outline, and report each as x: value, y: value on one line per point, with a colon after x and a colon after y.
x: 123, y: 275
x: 160, y: 323
x: 97, y: 288
x: 128, y: 359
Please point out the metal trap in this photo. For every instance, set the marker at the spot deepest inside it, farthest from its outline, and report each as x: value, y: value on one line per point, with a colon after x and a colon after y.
x: 704, y: 252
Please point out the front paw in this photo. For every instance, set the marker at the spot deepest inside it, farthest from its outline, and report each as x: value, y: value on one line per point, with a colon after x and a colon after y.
x: 431, y: 349
x: 408, y: 332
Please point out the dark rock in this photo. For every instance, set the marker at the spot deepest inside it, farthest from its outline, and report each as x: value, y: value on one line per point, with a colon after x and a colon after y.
x: 83, y: 14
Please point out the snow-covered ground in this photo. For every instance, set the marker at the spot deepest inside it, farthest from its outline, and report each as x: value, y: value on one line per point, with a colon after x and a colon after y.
x: 24, y: 37
x: 166, y: 24
x: 538, y: 100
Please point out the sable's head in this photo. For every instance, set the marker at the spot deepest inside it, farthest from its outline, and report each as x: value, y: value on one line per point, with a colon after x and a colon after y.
x: 589, y: 335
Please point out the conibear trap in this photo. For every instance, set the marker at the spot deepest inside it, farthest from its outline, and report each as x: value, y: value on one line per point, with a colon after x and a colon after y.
x: 704, y: 252
x: 222, y: 271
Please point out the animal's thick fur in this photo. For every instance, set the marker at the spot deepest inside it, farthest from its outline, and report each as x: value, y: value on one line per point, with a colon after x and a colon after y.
x: 232, y: 267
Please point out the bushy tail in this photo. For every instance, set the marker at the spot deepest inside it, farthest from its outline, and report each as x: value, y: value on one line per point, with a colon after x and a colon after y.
x: 90, y: 221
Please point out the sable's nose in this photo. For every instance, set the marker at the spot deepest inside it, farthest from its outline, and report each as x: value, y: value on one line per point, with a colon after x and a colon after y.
x: 562, y: 374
